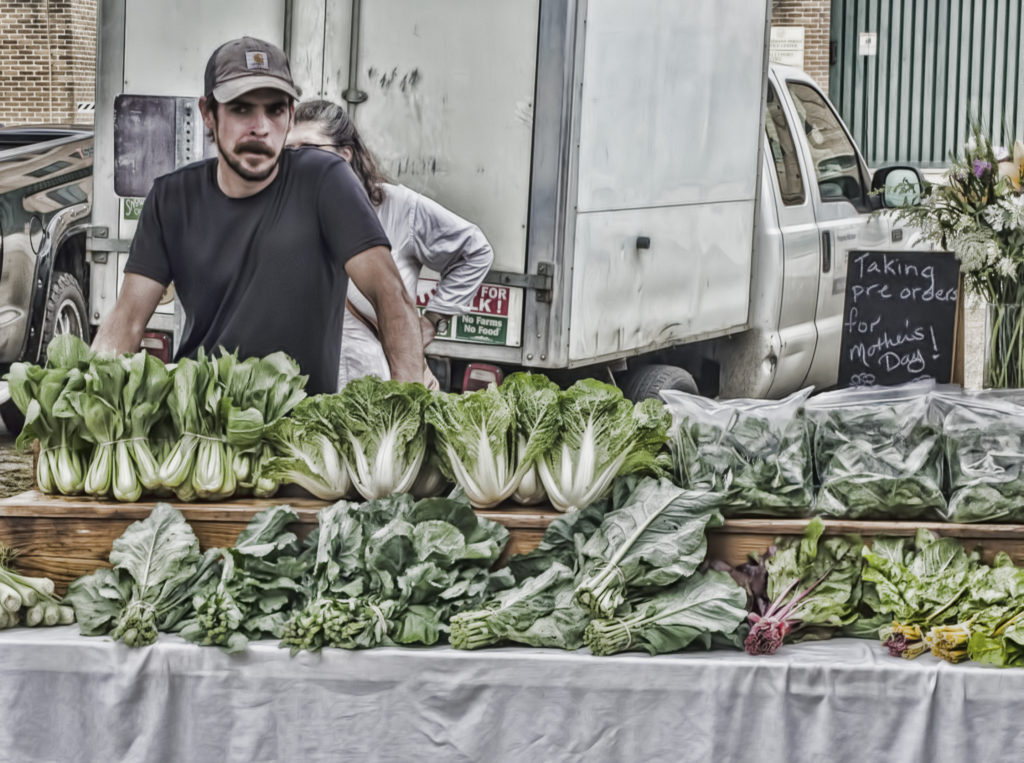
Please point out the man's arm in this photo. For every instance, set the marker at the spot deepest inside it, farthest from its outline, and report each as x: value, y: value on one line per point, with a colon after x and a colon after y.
x: 375, y: 275
x: 121, y: 331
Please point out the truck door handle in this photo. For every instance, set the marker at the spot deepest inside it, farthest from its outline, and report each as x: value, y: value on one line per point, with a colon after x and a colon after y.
x: 826, y: 252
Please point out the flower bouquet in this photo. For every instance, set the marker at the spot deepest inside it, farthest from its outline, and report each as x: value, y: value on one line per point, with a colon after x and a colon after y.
x: 978, y: 214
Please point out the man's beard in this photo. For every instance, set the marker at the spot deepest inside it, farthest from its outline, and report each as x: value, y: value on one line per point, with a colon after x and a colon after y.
x: 244, y: 172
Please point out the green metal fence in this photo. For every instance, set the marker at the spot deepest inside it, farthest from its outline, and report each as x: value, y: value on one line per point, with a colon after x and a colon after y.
x: 937, y: 63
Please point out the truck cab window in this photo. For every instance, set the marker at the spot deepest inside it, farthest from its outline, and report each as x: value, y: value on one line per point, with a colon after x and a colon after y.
x: 780, y: 141
x: 836, y: 164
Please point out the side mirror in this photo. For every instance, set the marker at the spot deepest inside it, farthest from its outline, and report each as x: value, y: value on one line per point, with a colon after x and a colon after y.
x: 899, y: 186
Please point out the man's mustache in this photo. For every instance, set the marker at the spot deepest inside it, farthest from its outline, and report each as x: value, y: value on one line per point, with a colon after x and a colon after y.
x: 254, y: 147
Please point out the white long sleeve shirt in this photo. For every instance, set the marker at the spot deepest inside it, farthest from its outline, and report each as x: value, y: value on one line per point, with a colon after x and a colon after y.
x: 422, y: 233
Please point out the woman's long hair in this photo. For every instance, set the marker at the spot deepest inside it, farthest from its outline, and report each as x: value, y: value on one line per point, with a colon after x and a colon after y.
x: 336, y: 124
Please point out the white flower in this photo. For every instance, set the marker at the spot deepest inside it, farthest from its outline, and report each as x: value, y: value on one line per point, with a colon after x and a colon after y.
x: 1007, y: 268
x: 1014, y: 209
x: 995, y: 216
x: 975, y: 250
x: 971, y: 145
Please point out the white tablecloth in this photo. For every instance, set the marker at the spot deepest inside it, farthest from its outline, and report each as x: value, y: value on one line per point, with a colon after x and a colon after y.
x: 64, y: 697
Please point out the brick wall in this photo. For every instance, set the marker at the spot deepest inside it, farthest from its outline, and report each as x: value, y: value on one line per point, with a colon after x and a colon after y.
x: 47, y: 61
x: 815, y: 17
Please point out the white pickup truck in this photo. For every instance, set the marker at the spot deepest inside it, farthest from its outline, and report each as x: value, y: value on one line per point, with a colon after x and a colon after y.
x: 666, y: 209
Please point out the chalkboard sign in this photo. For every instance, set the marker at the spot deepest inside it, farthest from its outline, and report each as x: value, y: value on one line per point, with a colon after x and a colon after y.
x: 899, y: 317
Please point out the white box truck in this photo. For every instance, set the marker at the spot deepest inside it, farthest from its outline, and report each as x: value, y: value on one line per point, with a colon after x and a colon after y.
x: 665, y: 207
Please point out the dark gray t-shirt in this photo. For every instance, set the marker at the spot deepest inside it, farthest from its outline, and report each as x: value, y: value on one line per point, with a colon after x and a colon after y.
x: 263, y: 273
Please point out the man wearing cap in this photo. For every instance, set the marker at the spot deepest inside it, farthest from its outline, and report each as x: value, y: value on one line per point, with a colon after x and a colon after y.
x: 259, y: 241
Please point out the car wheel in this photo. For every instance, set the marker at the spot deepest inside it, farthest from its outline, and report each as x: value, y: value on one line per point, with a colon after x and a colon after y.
x: 66, y: 311
x: 648, y: 381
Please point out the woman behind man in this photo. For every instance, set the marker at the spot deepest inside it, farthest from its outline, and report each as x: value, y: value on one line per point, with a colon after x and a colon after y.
x: 421, y: 231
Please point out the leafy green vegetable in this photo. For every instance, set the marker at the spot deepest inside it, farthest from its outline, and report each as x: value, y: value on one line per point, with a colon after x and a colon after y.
x: 688, y: 612
x: 756, y: 453
x: 534, y: 398
x: 921, y: 582
x: 394, y: 571
x: 259, y: 585
x: 655, y: 537
x: 28, y: 599
x: 476, y: 435
x: 990, y: 617
x: 601, y: 435
x: 814, y: 589
x: 156, y: 567
x: 515, y: 614
x: 258, y: 392
x: 983, y: 441
x: 306, y: 451
x: 383, y: 434
x: 42, y: 395
x: 877, y: 453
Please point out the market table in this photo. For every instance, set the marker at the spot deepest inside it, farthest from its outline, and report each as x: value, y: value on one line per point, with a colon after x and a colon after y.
x: 65, y: 697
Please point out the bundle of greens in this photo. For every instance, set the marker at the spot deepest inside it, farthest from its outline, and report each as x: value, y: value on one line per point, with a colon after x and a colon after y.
x: 877, y: 453
x: 305, y: 450
x: 156, y: 568
x: 986, y: 625
x: 258, y: 392
x: 756, y: 453
x: 394, y: 571
x: 995, y: 626
x: 601, y: 435
x: 917, y: 584
x: 814, y: 589
x: 222, y: 410
x: 654, y: 536
x: 534, y: 398
x: 541, y: 609
x: 983, y: 439
x: 476, y: 434
x: 28, y: 599
x: 513, y: 614
x: 198, y: 465
x: 382, y: 434
x: 121, y: 402
x: 260, y: 584
x: 997, y: 639
x: 41, y: 394
x: 692, y: 611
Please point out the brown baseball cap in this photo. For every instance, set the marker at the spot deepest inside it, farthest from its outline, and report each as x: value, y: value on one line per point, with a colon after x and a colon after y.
x: 246, y: 64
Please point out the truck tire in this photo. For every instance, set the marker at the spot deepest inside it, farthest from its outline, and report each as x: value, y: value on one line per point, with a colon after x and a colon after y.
x: 66, y: 311
x: 647, y: 381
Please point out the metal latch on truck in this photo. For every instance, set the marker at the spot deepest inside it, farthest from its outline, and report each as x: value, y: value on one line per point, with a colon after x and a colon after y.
x: 542, y: 281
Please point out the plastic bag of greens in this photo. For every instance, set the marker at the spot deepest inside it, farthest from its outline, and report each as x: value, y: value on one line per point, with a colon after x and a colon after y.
x: 877, y: 453
x: 983, y: 440
x: 756, y: 453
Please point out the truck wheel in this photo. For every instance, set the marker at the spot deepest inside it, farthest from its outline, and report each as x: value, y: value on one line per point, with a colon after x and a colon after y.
x: 66, y: 312
x: 11, y: 417
x: 647, y: 381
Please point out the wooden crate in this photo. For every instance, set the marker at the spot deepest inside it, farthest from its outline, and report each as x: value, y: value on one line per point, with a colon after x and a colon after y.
x: 62, y: 537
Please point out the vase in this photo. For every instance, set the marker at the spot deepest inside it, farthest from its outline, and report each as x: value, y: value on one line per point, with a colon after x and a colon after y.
x: 1004, y: 346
